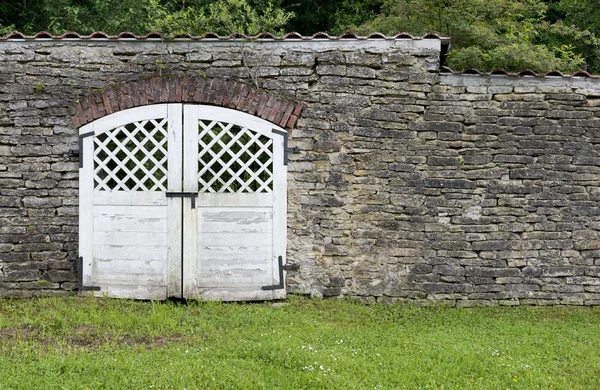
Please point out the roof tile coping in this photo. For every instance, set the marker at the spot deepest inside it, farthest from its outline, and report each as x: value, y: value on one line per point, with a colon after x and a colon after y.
x: 180, y: 89
x: 44, y: 35
x: 522, y: 73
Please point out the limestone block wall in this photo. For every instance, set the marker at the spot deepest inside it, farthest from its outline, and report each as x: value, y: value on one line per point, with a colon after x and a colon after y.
x: 472, y: 190
x: 411, y: 185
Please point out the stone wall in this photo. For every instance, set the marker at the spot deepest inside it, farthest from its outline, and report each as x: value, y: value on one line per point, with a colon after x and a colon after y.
x: 466, y: 189
x: 410, y: 184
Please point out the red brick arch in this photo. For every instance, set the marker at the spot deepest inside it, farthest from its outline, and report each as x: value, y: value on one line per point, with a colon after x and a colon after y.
x: 182, y: 89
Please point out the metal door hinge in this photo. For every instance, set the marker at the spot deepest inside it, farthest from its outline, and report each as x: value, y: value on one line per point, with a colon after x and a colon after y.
x: 286, y: 150
x: 192, y: 195
x: 287, y: 267
x: 79, y: 152
x: 80, y: 285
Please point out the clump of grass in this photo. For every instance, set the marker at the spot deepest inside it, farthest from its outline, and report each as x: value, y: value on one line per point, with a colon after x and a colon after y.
x: 75, y: 343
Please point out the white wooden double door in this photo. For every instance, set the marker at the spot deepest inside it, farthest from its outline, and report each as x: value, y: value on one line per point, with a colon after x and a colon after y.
x: 182, y: 201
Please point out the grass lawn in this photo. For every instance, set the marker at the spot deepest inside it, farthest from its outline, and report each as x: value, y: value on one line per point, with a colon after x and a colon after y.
x: 87, y: 343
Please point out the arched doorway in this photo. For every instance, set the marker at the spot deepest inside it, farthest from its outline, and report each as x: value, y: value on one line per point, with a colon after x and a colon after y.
x: 183, y: 201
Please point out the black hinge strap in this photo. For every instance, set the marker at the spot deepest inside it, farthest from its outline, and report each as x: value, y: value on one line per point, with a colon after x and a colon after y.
x: 286, y: 150
x: 287, y: 267
x: 192, y: 195
x: 80, y: 285
x: 80, y: 151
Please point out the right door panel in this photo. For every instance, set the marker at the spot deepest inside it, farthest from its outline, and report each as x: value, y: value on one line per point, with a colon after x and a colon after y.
x: 235, y: 231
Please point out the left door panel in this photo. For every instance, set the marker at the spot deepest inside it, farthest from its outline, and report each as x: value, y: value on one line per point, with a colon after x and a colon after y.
x: 130, y: 231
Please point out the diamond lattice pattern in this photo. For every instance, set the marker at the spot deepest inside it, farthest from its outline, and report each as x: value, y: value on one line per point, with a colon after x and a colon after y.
x: 233, y: 158
x: 132, y: 157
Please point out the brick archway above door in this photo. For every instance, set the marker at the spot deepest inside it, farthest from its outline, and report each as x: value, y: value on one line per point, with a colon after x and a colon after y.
x: 181, y: 89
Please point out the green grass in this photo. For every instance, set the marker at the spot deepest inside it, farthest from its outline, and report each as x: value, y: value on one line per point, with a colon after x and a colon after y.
x: 86, y: 343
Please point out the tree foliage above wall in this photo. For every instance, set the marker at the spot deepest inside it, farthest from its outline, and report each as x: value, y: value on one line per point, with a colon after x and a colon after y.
x: 510, y: 34
x: 143, y: 16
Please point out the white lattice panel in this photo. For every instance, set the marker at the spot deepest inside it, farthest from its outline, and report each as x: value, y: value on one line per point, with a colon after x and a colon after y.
x: 132, y: 157
x: 232, y: 158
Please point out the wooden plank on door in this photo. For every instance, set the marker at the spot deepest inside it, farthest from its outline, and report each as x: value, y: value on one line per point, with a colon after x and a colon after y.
x: 235, y: 246
x: 138, y: 256
x: 86, y: 187
x: 174, y: 209
x: 190, y: 215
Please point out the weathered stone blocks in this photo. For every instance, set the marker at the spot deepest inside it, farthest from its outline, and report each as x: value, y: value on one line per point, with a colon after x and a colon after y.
x: 410, y: 185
